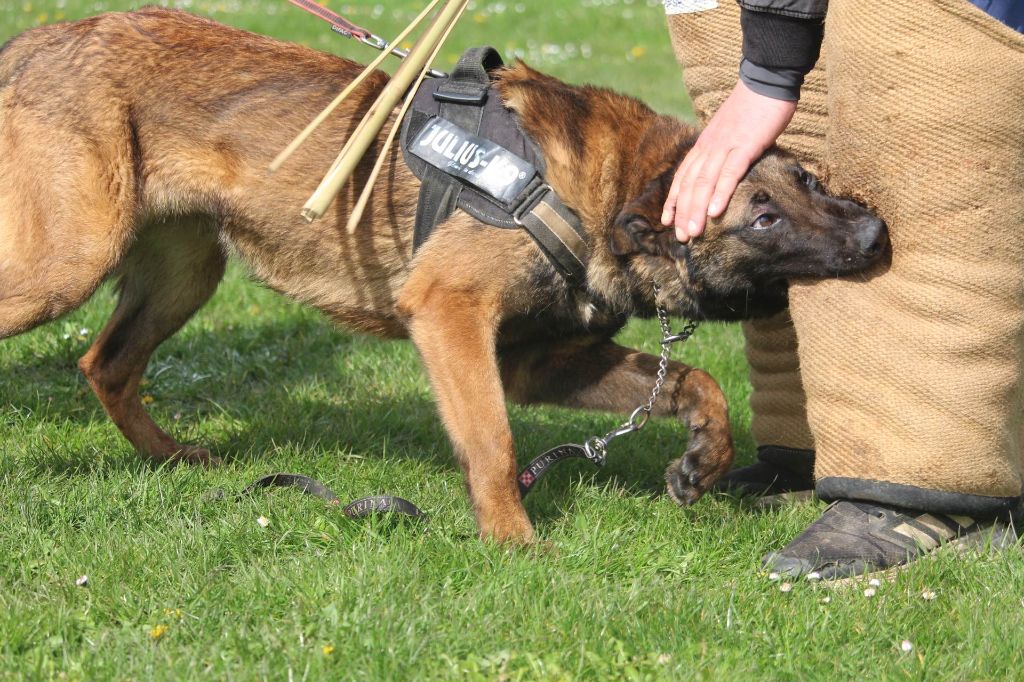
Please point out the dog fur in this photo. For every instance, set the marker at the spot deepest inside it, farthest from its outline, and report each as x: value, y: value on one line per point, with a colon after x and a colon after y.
x: 135, y: 146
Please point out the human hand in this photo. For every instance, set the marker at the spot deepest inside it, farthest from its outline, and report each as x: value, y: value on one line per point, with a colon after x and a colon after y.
x: 740, y: 131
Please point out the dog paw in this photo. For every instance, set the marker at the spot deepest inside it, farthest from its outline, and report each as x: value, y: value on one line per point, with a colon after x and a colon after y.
x: 191, y: 454
x: 690, y: 476
x: 514, y: 530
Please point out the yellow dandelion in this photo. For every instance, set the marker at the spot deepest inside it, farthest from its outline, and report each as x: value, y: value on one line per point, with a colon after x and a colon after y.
x: 480, y: 17
x: 328, y: 650
x: 41, y: 18
x: 148, y: 399
x: 158, y: 632
x: 638, y: 51
x: 173, y: 613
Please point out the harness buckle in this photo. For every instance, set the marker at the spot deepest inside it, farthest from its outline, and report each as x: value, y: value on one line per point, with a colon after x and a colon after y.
x: 465, y: 97
x: 532, y: 199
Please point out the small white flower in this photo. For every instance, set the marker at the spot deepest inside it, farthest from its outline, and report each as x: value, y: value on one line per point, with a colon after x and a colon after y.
x: 67, y: 336
x: 786, y: 587
x: 875, y: 582
x: 928, y: 595
x: 813, y: 576
x: 83, y: 332
x: 263, y: 521
x: 906, y: 646
x: 870, y: 592
x: 773, y: 576
x: 82, y: 580
x: 826, y: 600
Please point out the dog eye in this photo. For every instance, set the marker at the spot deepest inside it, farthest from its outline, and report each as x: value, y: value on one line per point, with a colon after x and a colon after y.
x: 765, y: 221
x: 809, y: 180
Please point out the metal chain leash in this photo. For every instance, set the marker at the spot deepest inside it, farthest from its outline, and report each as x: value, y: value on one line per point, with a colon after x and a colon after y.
x: 597, y: 446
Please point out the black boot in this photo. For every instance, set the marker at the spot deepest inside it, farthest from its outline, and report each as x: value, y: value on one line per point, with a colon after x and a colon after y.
x: 778, y: 470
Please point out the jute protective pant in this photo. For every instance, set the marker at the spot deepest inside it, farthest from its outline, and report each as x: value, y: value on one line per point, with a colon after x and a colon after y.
x: 913, y: 372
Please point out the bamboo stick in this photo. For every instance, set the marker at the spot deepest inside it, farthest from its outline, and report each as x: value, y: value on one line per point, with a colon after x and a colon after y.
x: 364, y: 197
x: 322, y: 116
x: 378, y: 114
x: 358, y: 133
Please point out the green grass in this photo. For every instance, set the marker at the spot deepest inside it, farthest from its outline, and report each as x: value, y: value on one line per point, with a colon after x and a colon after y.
x: 625, y: 584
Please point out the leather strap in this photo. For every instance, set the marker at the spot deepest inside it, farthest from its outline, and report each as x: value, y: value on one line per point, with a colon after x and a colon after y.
x: 540, y: 465
x: 377, y: 504
x: 306, y: 484
x: 558, y: 232
x: 380, y: 504
x: 470, y: 80
x: 360, y: 508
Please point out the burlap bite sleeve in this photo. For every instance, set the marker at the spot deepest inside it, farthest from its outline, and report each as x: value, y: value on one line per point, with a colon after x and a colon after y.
x: 913, y: 375
x: 708, y: 46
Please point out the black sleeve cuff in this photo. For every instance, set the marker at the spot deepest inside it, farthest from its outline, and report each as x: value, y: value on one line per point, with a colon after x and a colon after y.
x: 805, y: 9
x: 775, y: 83
x: 775, y: 41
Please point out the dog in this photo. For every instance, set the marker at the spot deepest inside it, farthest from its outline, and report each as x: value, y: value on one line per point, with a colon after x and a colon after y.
x: 134, y: 146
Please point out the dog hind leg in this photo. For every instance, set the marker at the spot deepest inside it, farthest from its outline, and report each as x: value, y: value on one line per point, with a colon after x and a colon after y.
x: 68, y: 206
x: 168, y: 275
x: 44, y: 275
x: 601, y: 375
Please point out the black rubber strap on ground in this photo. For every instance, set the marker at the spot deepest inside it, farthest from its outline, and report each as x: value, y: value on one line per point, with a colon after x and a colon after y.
x: 354, y: 510
x: 376, y: 504
x: 540, y: 466
x: 306, y: 484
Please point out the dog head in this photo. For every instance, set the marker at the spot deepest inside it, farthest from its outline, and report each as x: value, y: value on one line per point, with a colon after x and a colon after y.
x: 780, y: 225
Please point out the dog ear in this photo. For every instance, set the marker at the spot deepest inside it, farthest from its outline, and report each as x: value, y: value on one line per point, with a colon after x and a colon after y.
x: 634, y: 233
x: 638, y: 227
x: 624, y: 238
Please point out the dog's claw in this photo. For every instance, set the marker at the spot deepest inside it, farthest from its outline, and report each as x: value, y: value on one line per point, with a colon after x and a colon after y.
x: 680, y: 487
x: 196, y: 456
x: 690, y: 476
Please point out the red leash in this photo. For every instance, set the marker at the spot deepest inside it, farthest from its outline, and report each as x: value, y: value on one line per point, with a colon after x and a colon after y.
x: 340, y: 24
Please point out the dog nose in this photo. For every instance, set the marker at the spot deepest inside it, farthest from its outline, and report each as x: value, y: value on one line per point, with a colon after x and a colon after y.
x: 873, y: 237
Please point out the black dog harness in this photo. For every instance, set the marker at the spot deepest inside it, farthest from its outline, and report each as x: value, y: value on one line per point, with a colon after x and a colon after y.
x: 469, y: 152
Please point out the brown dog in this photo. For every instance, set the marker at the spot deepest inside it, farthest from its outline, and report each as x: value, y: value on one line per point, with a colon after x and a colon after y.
x: 135, y: 145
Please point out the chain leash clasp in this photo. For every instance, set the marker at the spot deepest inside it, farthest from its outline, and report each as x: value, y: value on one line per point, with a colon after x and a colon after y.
x: 597, y: 446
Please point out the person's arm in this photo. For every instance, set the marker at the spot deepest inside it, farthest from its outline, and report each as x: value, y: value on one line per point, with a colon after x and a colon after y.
x: 781, y: 42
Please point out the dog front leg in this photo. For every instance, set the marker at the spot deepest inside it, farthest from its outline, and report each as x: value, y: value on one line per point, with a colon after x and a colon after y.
x: 596, y: 374
x: 455, y: 336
